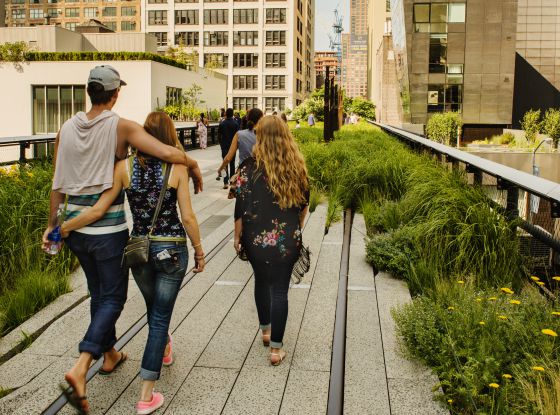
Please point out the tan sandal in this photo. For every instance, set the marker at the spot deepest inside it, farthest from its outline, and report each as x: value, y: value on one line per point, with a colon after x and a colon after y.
x: 281, y: 355
x: 266, y: 339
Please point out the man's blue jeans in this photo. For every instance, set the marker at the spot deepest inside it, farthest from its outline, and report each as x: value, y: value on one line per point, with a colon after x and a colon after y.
x: 159, y: 281
x: 101, y: 257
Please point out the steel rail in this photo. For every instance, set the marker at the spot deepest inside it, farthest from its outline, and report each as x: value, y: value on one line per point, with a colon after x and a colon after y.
x: 61, y: 401
x: 335, y: 405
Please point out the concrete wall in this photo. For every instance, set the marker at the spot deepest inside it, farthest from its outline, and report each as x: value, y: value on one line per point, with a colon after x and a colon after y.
x: 117, y: 42
x: 146, y: 80
x: 549, y: 163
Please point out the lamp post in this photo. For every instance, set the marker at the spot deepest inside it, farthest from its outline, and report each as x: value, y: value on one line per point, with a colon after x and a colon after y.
x: 535, y: 167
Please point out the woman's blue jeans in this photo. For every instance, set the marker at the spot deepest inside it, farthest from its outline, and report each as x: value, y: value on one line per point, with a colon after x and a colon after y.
x: 159, y: 281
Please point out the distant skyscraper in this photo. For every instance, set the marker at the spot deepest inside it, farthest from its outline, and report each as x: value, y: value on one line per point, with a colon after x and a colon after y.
x: 354, y: 80
x: 322, y: 60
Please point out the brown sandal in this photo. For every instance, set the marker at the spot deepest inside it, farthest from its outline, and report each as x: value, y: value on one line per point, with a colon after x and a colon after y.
x: 80, y: 403
x: 281, y: 355
x: 123, y: 358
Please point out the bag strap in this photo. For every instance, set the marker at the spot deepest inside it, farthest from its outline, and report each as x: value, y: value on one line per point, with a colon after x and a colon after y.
x: 161, y: 196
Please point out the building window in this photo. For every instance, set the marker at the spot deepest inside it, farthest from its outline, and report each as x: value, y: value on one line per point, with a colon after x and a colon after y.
x: 245, y: 60
x: 18, y: 13
x: 161, y: 38
x: 438, y: 53
x: 71, y: 26
x: 157, y: 1
x: 90, y: 12
x: 244, y: 103
x: 54, y: 12
x: 275, y: 15
x: 216, y: 60
x: 173, y: 95
x: 128, y: 26
x: 275, y: 60
x: 55, y: 104
x: 157, y: 17
x: 111, y: 25
x: 274, y: 104
x: 189, y: 17
x: 109, y: 11
x: 18, y: 1
x: 275, y: 82
x: 186, y: 1
x: 36, y: 13
x: 216, y: 38
x: 454, y: 74
x: 245, y: 82
x: 128, y: 11
x: 246, y: 38
x: 187, y: 38
x: 445, y: 98
x: 275, y: 37
x: 216, y: 16
x: 434, y: 17
x: 245, y: 16
x: 72, y: 12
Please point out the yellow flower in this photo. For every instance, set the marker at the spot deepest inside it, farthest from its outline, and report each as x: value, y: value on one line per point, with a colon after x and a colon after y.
x: 557, y: 278
x: 538, y: 368
x: 478, y: 300
x: 482, y: 323
x: 451, y: 308
x: 494, y: 385
x: 450, y: 401
x: 535, y: 278
x: 460, y: 282
x: 516, y: 302
x: 29, y: 174
x: 540, y: 283
x: 492, y: 299
x: 549, y: 332
x: 556, y: 313
x: 507, y: 290
x: 507, y: 376
x: 502, y: 317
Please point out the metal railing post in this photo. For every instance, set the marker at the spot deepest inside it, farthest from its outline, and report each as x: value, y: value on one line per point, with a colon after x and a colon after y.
x: 22, y: 146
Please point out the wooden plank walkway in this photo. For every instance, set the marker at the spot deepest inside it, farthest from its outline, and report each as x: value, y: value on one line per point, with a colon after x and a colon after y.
x: 220, y: 364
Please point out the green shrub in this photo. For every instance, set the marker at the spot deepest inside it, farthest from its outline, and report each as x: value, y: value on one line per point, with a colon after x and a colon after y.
x: 472, y: 338
x: 531, y: 124
x: 363, y: 108
x: 551, y: 124
x: 444, y: 127
x: 29, y: 278
x: 506, y: 138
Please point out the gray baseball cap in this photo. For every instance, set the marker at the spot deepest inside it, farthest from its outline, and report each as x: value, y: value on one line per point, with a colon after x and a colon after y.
x: 107, y: 76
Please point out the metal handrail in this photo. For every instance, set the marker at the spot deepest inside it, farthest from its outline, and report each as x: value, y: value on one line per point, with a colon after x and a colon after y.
x: 25, y: 142
x: 507, y: 177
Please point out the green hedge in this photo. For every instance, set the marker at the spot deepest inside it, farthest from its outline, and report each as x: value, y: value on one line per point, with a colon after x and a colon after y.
x: 101, y: 56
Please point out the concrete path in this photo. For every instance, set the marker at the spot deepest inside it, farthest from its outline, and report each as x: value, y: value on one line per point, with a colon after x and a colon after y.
x: 221, y: 366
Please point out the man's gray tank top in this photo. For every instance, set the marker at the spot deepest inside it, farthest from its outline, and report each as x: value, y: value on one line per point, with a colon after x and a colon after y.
x: 246, y: 140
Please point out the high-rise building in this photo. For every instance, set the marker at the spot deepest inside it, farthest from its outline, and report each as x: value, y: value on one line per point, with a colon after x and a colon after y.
x: 322, y: 61
x: 355, y: 79
x: 265, y: 47
x: 117, y: 15
x: 488, y: 60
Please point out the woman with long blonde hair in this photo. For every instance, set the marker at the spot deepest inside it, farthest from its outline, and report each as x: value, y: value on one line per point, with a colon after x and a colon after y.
x: 271, y: 205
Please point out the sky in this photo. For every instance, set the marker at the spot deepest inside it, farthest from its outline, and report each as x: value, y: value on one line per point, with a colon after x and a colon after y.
x: 324, y: 18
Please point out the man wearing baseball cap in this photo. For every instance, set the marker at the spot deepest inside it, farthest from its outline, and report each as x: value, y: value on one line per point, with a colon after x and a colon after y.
x: 86, y: 149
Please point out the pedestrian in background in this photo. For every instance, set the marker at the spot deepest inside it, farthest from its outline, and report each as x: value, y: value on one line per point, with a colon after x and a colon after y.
x: 272, y: 202
x: 202, y: 126
x: 237, y: 119
x: 228, y: 129
x: 311, y: 120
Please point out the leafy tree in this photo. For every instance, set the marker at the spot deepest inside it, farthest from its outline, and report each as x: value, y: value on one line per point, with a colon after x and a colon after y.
x: 444, y: 127
x: 551, y: 124
x: 314, y: 106
x: 192, y: 95
x: 363, y: 108
x: 531, y: 124
x: 182, y: 55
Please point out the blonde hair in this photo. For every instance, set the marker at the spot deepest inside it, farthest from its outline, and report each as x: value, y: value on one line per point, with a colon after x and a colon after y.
x: 161, y: 126
x: 277, y: 152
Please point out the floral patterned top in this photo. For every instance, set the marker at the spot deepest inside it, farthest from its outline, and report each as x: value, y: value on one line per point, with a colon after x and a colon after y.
x: 269, y: 233
x: 143, y: 194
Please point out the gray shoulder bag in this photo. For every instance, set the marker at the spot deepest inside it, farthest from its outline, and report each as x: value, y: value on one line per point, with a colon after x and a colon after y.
x: 137, y: 250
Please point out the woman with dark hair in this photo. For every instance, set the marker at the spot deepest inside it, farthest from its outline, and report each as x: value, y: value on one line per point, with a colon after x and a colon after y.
x: 244, y: 140
x: 159, y: 280
x: 271, y: 205
x: 202, y: 125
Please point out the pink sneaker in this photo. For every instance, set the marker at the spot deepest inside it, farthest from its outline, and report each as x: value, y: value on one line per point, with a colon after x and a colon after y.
x: 168, y: 360
x: 144, y: 408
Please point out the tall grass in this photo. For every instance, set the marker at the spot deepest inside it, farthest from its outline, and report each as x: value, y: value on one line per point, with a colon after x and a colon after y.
x: 29, y: 279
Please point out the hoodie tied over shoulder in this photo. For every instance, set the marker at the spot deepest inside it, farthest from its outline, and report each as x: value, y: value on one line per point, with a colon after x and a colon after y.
x: 86, y: 154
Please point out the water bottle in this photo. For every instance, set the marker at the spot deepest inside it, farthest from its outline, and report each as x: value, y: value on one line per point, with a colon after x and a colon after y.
x: 55, y: 239
x: 54, y: 236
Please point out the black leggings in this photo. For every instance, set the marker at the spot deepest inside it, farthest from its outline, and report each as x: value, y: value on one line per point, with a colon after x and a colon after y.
x: 272, y: 281
x: 231, y: 165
